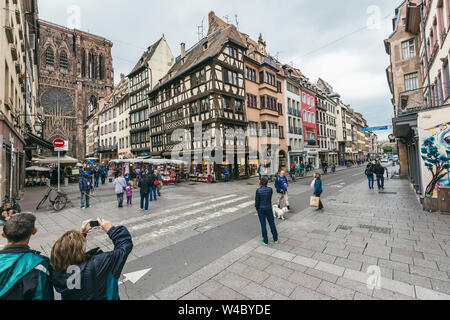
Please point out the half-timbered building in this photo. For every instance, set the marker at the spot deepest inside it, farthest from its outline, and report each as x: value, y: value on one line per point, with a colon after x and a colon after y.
x: 204, y: 89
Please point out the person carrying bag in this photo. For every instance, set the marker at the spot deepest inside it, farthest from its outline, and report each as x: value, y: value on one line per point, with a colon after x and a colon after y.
x: 317, y: 192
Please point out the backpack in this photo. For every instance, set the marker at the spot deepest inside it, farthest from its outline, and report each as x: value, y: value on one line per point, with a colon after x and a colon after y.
x: 369, y: 172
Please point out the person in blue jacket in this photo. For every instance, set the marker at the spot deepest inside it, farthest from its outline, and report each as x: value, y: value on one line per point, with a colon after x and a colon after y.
x: 226, y: 172
x: 24, y: 273
x: 93, y: 275
x: 281, y: 185
x: 263, y: 204
x: 318, y: 189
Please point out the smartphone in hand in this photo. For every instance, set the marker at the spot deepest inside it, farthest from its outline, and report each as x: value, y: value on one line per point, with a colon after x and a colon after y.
x: 94, y: 224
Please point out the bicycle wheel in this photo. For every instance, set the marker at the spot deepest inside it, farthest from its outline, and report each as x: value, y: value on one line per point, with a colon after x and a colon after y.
x: 42, y: 202
x: 60, y: 202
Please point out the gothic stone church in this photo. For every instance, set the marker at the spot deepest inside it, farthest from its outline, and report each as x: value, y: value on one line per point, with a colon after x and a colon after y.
x: 75, y: 73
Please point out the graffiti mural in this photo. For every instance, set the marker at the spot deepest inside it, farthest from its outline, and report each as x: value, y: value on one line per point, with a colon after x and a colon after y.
x: 436, y: 156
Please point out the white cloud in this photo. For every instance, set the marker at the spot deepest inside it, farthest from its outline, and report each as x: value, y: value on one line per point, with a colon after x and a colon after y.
x: 348, y: 73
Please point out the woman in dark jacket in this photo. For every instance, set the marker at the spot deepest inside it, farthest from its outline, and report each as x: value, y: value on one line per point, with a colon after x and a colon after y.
x: 318, y: 189
x: 263, y: 204
x: 93, y: 275
x: 370, y: 175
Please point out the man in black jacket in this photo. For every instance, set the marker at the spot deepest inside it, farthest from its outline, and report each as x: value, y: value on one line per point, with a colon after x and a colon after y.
x: 151, y: 183
x: 24, y: 273
x: 379, y: 171
x: 144, y: 186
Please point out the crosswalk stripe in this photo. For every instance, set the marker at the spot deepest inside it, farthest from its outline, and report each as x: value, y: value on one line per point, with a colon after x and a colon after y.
x: 171, y: 229
x: 165, y: 212
x: 183, y: 215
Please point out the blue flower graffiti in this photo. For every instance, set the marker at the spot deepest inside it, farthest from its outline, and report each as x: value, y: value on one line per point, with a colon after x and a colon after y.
x: 436, y: 156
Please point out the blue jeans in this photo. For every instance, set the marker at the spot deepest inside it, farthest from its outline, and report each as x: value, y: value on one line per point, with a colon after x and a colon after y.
x: 267, y: 215
x: 371, y: 181
x: 85, y: 196
x: 152, y: 193
x: 227, y: 178
x: 120, y: 199
x: 144, y: 198
x: 380, y: 181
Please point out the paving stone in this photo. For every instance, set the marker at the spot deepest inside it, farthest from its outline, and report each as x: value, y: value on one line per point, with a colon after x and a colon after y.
x: 401, y: 258
x: 352, y: 249
x: 330, y: 268
x: 257, y: 263
x: 346, y: 263
x: 407, y: 253
x: 280, y: 285
x: 209, y: 287
x: 441, y: 286
x: 337, y: 252
x: 302, y: 252
x: 304, y: 261
x: 293, y: 243
x: 393, y: 265
x: 194, y: 295
x: 226, y: 293
x: 322, y: 275
x: 412, y: 279
x: 279, y: 271
x: 257, y: 292
x: 427, y: 294
x: 357, y: 276
x: 233, y: 280
x: 385, y: 272
x: 254, y: 274
x: 363, y: 297
x: 390, y: 295
x: 425, y: 263
x: 398, y: 287
x: 355, y: 285
x: 378, y: 252
x: 324, y: 257
x: 283, y: 255
x: 430, y: 273
x: 305, y: 280
x: 363, y: 258
x: 443, y: 266
x: 295, y: 267
x: 301, y: 293
x: 265, y: 250
x: 237, y: 267
x: 335, y: 291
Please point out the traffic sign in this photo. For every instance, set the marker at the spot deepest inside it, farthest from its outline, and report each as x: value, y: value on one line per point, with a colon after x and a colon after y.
x: 59, y: 143
x: 384, y: 128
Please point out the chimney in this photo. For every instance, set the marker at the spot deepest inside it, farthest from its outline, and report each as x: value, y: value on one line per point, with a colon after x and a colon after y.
x: 183, y: 50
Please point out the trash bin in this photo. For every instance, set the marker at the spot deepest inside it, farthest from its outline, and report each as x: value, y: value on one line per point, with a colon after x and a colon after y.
x: 444, y: 199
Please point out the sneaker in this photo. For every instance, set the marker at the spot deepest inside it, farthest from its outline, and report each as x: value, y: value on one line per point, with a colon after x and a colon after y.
x: 266, y: 244
x: 276, y: 242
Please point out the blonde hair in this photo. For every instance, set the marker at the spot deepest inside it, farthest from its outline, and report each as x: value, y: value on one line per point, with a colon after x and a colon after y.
x: 317, y: 175
x: 67, y: 251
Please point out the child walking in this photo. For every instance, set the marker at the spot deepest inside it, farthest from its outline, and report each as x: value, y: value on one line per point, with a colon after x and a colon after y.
x: 129, y: 193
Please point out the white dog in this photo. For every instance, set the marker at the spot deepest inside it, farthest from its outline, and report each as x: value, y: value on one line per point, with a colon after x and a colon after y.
x: 279, y: 213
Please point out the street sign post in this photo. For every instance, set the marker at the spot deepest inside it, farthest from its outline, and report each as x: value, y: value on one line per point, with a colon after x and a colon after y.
x: 60, y: 145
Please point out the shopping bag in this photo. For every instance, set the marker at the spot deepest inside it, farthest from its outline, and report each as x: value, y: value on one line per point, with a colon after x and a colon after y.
x: 314, y: 202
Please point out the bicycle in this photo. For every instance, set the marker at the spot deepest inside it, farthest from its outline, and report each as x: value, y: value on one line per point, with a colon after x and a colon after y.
x: 58, y: 204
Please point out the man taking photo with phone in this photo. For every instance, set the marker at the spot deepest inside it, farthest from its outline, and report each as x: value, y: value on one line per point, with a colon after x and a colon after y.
x: 24, y: 273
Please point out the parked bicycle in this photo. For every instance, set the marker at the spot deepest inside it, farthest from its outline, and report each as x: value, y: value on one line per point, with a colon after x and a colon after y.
x: 58, y: 204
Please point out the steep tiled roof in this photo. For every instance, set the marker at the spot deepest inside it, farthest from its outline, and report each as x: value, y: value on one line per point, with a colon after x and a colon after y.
x: 148, y: 54
x: 198, y: 54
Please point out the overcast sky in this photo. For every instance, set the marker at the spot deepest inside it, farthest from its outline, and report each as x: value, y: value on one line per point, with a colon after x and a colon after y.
x: 339, y: 41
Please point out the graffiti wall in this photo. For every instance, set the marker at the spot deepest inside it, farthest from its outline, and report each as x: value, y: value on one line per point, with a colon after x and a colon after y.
x: 434, y: 135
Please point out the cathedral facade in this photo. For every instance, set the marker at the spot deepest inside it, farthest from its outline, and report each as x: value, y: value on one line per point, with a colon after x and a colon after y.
x: 75, y: 72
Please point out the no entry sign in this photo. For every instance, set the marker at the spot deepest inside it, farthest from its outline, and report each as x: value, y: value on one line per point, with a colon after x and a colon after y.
x: 59, y: 143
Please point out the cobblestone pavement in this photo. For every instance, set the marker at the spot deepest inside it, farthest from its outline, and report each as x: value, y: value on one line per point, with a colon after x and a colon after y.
x: 327, y: 255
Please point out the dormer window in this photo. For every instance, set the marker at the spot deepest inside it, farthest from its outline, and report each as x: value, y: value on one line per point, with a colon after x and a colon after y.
x: 205, y: 46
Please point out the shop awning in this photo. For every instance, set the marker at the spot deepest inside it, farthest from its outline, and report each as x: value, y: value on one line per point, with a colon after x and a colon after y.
x: 38, y: 169
x: 54, y: 160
